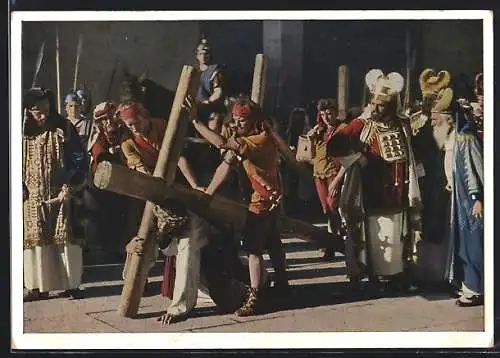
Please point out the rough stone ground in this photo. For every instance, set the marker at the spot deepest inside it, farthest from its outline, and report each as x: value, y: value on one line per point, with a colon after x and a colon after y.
x: 320, y: 301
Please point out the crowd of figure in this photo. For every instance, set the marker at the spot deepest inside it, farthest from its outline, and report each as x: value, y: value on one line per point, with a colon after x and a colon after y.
x: 404, y: 190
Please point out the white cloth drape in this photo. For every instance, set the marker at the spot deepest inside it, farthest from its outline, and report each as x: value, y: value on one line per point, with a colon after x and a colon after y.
x: 53, y: 268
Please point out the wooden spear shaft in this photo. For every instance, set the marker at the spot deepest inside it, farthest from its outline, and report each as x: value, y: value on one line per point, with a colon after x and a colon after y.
x: 258, y: 91
x: 259, y: 79
x: 58, y: 73
x: 165, y: 168
x: 77, y: 62
x: 342, y: 91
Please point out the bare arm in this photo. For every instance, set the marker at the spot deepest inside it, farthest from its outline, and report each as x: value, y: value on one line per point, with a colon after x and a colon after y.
x: 185, y: 168
x: 221, y: 173
x: 215, y: 138
x: 216, y: 95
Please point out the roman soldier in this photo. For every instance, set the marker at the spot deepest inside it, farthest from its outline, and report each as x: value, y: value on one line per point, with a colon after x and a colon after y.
x: 211, y: 93
x: 380, y: 198
x: 83, y: 125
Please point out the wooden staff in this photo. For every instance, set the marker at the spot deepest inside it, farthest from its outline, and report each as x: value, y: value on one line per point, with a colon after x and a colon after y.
x: 165, y: 168
x: 38, y: 64
x: 58, y: 73
x: 342, y: 92
x: 259, y: 79
x: 77, y: 63
x: 258, y: 91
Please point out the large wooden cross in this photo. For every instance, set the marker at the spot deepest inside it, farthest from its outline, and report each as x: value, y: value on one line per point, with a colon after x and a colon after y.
x: 165, y: 168
x: 258, y: 91
x: 216, y: 208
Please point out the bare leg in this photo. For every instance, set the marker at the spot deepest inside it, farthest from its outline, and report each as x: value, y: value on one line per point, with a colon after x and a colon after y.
x: 256, y: 267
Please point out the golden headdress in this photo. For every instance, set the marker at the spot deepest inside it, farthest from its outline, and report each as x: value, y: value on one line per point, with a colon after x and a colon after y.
x: 435, y: 87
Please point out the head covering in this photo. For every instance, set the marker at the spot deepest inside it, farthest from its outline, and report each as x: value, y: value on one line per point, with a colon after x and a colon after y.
x: 326, y: 103
x: 34, y: 95
x: 72, y: 98
x: 129, y: 110
x: 203, y: 46
x: 384, y: 88
x: 104, y: 109
x: 241, y: 109
x: 478, y: 81
x: 83, y: 95
x: 435, y: 89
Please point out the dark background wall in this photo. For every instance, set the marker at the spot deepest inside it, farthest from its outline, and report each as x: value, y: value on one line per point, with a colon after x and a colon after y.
x: 161, y: 47
x: 164, y: 46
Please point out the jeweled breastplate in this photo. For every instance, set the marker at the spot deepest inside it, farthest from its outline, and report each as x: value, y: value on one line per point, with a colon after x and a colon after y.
x: 392, y: 145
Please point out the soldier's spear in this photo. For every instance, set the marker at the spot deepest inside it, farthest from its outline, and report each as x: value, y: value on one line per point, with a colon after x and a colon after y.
x: 38, y: 64
x: 58, y: 73
x: 77, y: 63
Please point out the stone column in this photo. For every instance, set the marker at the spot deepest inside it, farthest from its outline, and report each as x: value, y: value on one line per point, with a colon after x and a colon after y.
x: 283, y: 47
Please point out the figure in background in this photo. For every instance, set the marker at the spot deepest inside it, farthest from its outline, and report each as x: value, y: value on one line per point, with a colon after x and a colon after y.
x: 477, y: 105
x: 74, y: 106
x: 85, y: 103
x: 211, y: 93
x: 54, y: 169
x: 297, y: 190
x: 467, y: 228
x: 106, y: 211
x: 381, y: 203
x: 247, y: 141
x: 326, y: 167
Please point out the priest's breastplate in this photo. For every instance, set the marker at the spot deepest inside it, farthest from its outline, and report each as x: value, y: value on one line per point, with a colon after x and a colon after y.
x: 392, y: 146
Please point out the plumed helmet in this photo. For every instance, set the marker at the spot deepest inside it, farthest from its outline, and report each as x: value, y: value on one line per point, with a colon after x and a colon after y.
x: 203, y: 46
x: 71, y: 98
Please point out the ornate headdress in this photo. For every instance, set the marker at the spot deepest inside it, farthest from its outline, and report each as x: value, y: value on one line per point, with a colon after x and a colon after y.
x: 435, y: 87
x: 104, y: 109
x: 384, y: 88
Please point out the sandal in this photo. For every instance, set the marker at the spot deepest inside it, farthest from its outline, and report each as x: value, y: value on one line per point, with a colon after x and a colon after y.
x: 470, y: 301
x: 249, y: 307
x: 35, y: 295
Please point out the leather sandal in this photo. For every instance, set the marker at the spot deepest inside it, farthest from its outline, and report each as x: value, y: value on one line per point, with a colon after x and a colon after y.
x: 470, y: 301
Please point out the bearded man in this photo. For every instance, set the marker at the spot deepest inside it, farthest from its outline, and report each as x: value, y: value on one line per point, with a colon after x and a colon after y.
x: 381, y: 203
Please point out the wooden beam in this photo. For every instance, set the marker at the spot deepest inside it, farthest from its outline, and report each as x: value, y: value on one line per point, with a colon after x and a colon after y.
x: 342, y: 92
x: 124, y: 181
x: 259, y: 79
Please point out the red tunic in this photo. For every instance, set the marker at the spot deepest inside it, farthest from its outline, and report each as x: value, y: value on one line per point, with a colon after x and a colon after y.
x: 385, y: 184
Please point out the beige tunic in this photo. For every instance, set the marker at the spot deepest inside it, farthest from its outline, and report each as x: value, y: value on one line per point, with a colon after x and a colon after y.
x: 52, y: 256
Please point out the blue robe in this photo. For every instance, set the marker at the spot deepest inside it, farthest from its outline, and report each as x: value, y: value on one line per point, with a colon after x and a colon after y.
x: 466, y: 251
